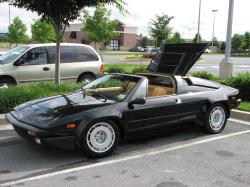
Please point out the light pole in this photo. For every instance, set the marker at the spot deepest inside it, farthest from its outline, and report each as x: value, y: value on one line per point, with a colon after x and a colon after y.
x: 199, y: 20
x: 214, y: 11
x: 226, y: 65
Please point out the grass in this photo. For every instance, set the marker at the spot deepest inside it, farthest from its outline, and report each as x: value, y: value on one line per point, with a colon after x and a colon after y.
x: 245, y: 106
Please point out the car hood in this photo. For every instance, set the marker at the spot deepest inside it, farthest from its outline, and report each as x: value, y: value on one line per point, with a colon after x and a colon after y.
x: 177, y: 59
x: 42, y: 112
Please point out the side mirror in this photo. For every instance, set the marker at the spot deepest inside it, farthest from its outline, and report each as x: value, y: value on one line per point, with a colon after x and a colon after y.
x: 137, y: 101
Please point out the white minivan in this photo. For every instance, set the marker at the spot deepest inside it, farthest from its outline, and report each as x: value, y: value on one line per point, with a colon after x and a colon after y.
x: 36, y: 62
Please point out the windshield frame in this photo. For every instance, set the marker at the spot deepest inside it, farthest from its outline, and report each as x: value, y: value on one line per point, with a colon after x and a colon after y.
x: 130, y: 94
x: 26, y: 48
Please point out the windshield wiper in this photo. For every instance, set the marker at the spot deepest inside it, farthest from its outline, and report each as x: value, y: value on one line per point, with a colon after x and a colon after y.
x: 99, y: 95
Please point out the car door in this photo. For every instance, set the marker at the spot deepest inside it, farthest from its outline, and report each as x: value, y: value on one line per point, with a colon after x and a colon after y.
x: 159, y: 111
x: 34, y: 66
x: 75, y: 60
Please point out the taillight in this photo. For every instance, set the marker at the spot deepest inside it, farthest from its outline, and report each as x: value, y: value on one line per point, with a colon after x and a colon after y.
x: 101, y: 68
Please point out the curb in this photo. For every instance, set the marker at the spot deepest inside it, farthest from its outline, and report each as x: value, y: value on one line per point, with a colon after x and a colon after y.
x: 2, y: 119
x: 235, y: 114
x: 240, y: 115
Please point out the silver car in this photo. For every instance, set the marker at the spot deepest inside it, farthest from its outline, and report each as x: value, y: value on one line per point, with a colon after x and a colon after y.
x: 36, y: 62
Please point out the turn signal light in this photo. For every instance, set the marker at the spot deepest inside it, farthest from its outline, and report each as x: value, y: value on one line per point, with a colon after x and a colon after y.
x: 234, y: 98
x: 101, y: 68
x: 71, y: 126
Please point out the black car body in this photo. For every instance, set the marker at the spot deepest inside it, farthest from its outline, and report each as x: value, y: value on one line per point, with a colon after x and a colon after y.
x: 156, y: 99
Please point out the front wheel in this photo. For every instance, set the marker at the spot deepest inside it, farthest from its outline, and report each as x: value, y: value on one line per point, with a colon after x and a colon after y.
x: 216, y: 119
x: 100, y: 139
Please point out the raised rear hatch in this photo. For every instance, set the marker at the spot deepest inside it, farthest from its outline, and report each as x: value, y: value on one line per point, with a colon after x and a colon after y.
x: 177, y: 59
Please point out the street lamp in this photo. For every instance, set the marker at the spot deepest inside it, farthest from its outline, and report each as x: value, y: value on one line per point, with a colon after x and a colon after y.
x: 214, y: 11
x: 199, y: 20
x: 226, y: 65
x: 9, y: 12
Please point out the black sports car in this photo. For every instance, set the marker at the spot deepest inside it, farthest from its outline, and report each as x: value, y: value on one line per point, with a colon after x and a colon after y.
x: 119, y: 106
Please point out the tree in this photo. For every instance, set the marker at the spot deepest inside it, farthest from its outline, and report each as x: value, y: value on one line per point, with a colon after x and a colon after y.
x: 216, y: 42
x: 223, y: 46
x: 59, y: 14
x: 159, y: 28
x: 99, y: 27
x: 247, y: 40
x: 144, y: 41
x: 195, y: 40
x: 176, y: 38
x: 16, y: 32
x: 43, y: 31
x: 237, y: 42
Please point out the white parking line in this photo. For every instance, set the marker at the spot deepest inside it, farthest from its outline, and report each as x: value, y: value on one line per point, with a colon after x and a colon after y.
x: 6, y: 127
x: 239, y: 121
x: 109, y: 162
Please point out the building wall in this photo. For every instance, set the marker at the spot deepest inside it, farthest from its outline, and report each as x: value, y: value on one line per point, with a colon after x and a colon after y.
x: 129, y: 41
x: 127, y: 37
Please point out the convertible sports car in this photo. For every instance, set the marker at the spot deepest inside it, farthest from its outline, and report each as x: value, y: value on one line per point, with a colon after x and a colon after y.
x: 118, y: 106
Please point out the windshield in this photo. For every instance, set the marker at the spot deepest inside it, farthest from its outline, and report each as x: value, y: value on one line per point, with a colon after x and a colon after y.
x: 12, y: 54
x: 112, y: 87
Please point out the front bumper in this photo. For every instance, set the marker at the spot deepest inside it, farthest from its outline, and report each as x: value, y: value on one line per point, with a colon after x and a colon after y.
x: 42, y: 136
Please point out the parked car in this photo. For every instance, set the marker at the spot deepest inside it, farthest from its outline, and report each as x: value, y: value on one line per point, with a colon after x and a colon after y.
x: 36, y: 62
x: 119, y: 107
x: 151, y: 53
x: 136, y: 49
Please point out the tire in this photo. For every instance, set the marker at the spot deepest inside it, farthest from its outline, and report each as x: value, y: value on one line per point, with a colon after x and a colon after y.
x: 216, y: 119
x: 100, y: 139
x: 6, y: 83
x: 85, y: 78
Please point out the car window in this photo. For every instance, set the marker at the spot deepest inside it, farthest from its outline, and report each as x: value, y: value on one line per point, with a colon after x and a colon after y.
x: 11, y: 55
x: 113, y: 87
x: 35, y: 56
x: 70, y: 54
x: 160, y: 86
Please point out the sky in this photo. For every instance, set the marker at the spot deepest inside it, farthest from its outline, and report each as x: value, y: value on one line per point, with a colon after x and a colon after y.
x: 185, y: 14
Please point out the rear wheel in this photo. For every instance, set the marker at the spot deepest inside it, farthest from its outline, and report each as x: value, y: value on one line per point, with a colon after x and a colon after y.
x: 5, y: 83
x: 85, y: 78
x: 100, y: 139
x: 216, y: 119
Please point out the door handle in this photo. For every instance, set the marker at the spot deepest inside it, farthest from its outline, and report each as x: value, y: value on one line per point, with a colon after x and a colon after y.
x: 178, y: 100
x: 46, y: 69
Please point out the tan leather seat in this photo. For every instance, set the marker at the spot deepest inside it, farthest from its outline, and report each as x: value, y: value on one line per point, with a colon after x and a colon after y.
x: 159, y: 91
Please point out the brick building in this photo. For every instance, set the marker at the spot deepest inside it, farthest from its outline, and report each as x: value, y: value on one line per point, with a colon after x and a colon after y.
x: 126, y: 39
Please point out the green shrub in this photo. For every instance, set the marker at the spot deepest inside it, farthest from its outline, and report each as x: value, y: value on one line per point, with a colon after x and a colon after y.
x: 205, y: 75
x: 139, y: 68
x: 242, y: 83
x: 115, y: 69
x: 14, y: 96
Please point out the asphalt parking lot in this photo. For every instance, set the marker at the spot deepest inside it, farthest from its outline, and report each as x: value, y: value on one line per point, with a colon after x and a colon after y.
x: 181, y: 157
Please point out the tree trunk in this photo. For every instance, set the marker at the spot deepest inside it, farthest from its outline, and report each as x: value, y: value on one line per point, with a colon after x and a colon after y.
x: 95, y: 45
x: 58, y: 40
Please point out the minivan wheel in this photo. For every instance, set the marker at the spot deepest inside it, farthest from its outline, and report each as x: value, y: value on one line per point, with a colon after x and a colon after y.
x: 100, y: 139
x: 85, y: 79
x: 5, y: 83
x: 216, y: 119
